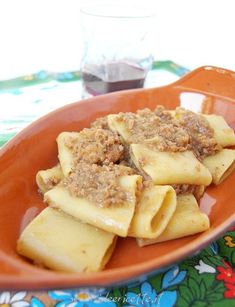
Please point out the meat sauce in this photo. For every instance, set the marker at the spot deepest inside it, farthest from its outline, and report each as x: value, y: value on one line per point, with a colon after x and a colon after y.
x: 101, y: 157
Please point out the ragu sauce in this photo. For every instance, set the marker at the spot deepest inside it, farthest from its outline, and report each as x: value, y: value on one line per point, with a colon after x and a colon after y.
x: 112, y: 77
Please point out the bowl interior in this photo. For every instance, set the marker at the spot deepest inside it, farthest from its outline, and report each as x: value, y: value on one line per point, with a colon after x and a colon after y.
x: 35, y: 148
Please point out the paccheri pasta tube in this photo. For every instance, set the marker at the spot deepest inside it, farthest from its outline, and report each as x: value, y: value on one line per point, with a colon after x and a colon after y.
x: 170, y: 167
x: 92, y: 146
x: 223, y: 134
x: 220, y: 165
x: 186, y: 220
x: 47, y: 179
x: 115, y: 219
x: 153, y: 212
x: 130, y: 174
x: 58, y: 241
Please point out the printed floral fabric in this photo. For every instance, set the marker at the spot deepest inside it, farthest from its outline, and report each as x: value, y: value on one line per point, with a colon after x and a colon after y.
x: 206, y: 279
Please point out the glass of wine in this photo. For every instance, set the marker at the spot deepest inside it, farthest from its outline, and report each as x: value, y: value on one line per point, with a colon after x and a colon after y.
x: 116, y: 48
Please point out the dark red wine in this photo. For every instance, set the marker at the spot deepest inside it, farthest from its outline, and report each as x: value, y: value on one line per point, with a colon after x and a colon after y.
x: 118, y: 76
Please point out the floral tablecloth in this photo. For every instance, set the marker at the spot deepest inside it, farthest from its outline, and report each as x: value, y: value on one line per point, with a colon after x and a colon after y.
x: 207, y: 279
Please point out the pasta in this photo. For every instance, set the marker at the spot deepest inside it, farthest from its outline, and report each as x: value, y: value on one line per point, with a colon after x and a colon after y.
x: 65, y: 154
x: 223, y: 134
x: 220, y: 165
x: 130, y: 174
x: 92, y: 146
x: 156, y: 206
x: 47, y: 179
x: 62, y: 243
x: 119, y: 126
x: 170, y: 167
x: 113, y: 219
x: 187, y: 220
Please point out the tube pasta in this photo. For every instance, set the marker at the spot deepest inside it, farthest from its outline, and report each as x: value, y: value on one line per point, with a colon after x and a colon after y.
x: 220, y: 165
x: 153, y: 212
x: 47, y: 179
x: 170, y: 167
x: 118, y: 126
x: 65, y: 154
x: 187, y: 220
x: 62, y: 243
x: 114, y: 219
x: 223, y: 134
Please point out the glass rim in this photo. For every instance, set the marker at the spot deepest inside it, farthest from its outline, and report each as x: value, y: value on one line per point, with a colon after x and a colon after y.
x: 113, y: 11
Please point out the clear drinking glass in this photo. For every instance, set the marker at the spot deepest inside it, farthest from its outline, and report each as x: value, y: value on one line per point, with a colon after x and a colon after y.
x: 116, y: 48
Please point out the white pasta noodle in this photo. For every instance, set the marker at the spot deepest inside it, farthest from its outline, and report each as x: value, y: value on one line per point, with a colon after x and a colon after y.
x: 65, y: 154
x: 62, y: 243
x: 223, y: 134
x: 156, y: 206
x: 115, y: 219
x: 170, y: 167
x: 221, y: 164
x: 46, y: 179
x: 187, y: 220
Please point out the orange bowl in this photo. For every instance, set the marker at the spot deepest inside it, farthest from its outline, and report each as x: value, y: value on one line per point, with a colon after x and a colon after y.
x: 207, y: 89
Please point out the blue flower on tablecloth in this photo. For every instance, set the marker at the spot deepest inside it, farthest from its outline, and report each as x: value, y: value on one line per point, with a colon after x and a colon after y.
x: 148, y: 297
x: 35, y: 302
x: 13, y: 300
x: 173, y: 277
x: 81, y: 298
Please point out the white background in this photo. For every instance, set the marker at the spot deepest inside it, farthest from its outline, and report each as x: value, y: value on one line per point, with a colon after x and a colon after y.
x: 45, y: 34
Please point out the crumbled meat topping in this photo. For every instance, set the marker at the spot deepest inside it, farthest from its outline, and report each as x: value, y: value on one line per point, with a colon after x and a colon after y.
x: 51, y: 182
x: 196, y: 190
x: 100, y: 123
x: 148, y: 183
x: 147, y: 127
x: 100, y: 158
x: 170, y: 137
x: 161, y: 131
x: 98, y: 146
x: 184, y: 188
x: 140, y: 124
x: 202, y: 141
x: 164, y: 114
x: 99, y: 184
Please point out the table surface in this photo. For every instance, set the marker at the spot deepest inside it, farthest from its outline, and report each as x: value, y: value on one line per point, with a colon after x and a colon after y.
x: 207, y: 279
